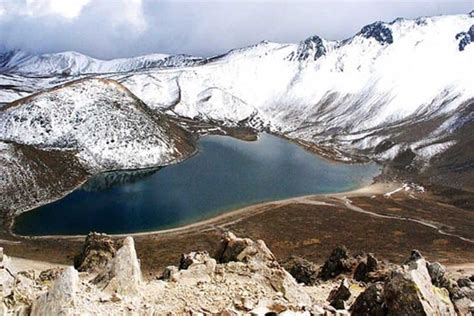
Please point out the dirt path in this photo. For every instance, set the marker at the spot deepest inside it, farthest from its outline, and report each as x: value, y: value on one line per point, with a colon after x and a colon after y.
x: 348, y: 203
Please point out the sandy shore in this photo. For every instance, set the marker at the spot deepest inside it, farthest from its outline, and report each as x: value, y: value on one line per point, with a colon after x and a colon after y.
x: 369, y: 190
x: 387, y: 219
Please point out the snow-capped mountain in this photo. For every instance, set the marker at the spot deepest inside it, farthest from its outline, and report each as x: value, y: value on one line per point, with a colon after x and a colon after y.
x: 51, y: 142
x: 400, y: 92
x: 73, y: 63
x: 355, y: 94
x: 101, y: 120
x: 391, y: 88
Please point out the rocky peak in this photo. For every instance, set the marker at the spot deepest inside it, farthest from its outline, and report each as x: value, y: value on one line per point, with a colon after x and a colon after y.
x: 465, y: 38
x: 122, y: 275
x: 311, y: 48
x: 379, y: 31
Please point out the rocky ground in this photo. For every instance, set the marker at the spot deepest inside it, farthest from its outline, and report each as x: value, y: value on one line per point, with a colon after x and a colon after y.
x: 239, y: 277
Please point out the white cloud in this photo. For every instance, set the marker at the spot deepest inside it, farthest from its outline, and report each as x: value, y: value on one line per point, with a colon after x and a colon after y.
x: 68, y: 9
x: 133, y: 12
x: 121, y: 28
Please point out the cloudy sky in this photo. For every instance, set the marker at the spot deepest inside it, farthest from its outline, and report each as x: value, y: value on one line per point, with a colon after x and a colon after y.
x: 121, y: 28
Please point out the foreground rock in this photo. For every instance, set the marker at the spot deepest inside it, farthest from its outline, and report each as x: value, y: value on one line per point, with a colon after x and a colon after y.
x: 339, y: 262
x: 61, y: 298
x: 244, y: 278
x: 411, y: 292
x: 370, y: 302
x: 338, y: 297
x: 302, y: 270
x: 96, y: 253
x: 122, y: 275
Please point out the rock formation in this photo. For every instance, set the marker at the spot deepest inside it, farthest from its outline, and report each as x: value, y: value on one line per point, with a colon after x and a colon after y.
x: 61, y: 298
x: 302, y: 270
x: 97, y: 251
x: 243, y: 278
x: 338, y: 262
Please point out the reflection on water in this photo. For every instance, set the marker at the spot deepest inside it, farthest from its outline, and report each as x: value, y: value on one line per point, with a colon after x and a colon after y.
x: 111, y: 179
x: 226, y: 174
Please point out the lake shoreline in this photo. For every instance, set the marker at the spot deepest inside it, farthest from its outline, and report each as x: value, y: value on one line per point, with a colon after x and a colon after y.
x: 283, y: 224
x: 374, y: 188
x: 206, y: 185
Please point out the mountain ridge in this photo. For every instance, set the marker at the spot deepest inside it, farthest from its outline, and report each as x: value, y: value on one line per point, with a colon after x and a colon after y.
x: 75, y: 63
x: 382, y: 93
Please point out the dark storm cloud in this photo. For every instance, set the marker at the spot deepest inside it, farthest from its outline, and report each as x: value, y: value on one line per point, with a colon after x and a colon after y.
x: 121, y: 28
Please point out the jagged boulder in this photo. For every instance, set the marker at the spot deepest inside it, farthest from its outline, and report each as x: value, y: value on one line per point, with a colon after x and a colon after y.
x: 370, y: 302
x: 60, y: 299
x: 168, y: 273
x: 19, y: 291
x: 194, y: 267
x: 462, y: 295
x: 122, y: 275
x: 363, y: 269
x: 410, y: 291
x: 195, y: 257
x: 233, y: 248
x: 50, y: 274
x: 465, y: 282
x: 372, y: 270
x: 437, y: 274
x: 96, y: 253
x: 338, y: 296
x: 339, y: 262
x: 302, y: 270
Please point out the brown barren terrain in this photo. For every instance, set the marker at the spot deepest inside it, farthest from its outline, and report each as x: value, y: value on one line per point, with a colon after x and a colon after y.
x: 365, y: 220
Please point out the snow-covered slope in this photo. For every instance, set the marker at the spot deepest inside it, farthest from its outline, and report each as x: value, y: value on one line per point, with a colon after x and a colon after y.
x: 73, y: 63
x: 31, y: 176
x: 107, y: 126
x: 354, y: 94
x: 391, y: 88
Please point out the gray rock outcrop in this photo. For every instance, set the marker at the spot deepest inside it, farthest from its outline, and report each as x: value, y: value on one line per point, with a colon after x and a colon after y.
x: 123, y: 274
x: 411, y: 292
x: 96, y: 253
x: 61, y: 298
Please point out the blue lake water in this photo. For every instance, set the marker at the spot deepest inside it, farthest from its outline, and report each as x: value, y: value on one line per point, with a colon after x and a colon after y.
x: 226, y: 174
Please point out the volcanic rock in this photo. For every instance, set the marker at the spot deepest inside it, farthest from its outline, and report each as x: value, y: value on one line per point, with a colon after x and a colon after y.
x: 302, y: 270
x: 370, y: 302
x: 96, y: 253
x: 338, y: 262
